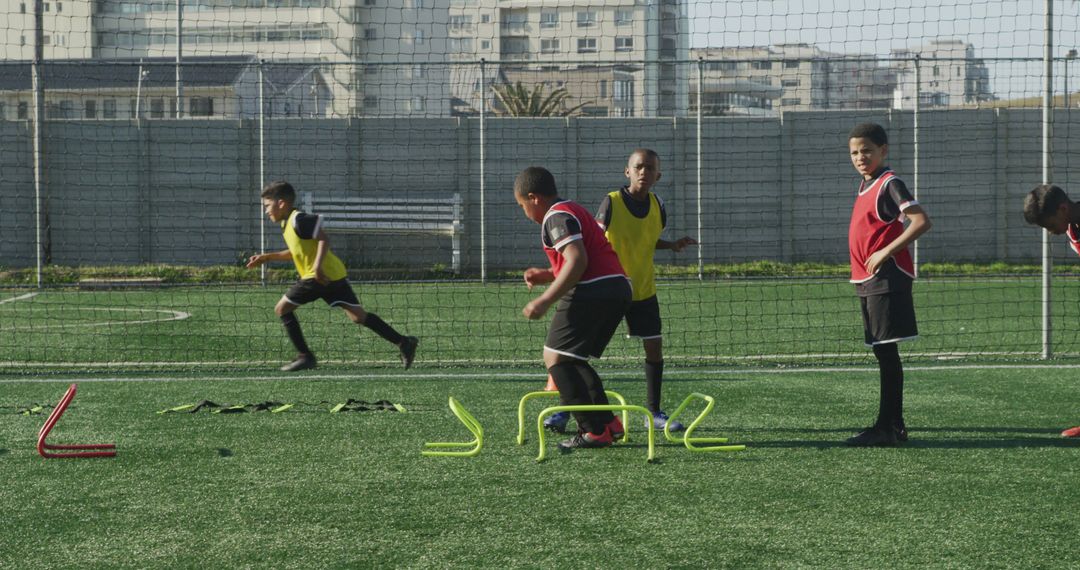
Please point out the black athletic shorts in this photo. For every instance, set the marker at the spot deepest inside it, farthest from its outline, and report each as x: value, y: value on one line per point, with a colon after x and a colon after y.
x: 334, y: 293
x: 888, y: 318
x: 582, y: 329
x: 643, y: 319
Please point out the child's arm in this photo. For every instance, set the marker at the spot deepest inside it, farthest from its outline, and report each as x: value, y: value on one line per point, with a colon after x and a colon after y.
x: 261, y: 258
x: 322, y: 247
x: 920, y: 224
x: 577, y: 260
x: 677, y: 245
x: 538, y: 276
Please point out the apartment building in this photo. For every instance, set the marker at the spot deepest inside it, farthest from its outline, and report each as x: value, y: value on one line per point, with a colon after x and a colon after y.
x: 950, y: 75
x: 642, y: 39
x: 380, y: 57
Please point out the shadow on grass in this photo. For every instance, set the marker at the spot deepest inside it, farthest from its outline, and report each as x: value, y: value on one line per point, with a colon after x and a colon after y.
x: 3, y: 451
x: 939, y: 438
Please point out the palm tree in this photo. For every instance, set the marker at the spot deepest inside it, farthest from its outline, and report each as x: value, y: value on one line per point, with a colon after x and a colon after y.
x: 520, y: 102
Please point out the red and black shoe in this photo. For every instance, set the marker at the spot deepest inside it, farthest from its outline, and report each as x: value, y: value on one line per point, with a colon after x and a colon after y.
x: 586, y: 440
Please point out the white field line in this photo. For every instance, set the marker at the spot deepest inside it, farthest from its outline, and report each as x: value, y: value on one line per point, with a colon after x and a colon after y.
x: 173, y: 316
x: 538, y: 377
x: 19, y: 298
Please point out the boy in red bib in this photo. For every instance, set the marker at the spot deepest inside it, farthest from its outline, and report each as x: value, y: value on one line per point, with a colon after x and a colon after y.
x: 1049, y: 207
x: 592, y: 292
x: 883, y: 271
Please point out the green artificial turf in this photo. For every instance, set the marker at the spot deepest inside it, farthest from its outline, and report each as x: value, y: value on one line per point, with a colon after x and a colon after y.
x: 985, y: 482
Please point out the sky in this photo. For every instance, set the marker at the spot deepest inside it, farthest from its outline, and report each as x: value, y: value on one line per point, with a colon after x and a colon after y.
x: 996, y: 28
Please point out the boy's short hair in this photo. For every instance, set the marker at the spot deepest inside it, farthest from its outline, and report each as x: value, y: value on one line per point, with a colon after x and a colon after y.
x: 1042, y: 202
x: 535, y: 180
x: 648, y: 152
x: 279, y: 190
x: 872, y: 131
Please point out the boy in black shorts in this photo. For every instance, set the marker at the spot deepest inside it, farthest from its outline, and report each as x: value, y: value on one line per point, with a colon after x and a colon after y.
x: 883, y: 270
x: 1049, y: 207
x: 592, y: 292
x: 322, y: 276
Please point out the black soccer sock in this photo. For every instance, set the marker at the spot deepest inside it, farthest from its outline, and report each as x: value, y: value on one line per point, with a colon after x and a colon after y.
x: 574, y: 391
x: 654, y: 379
x: 891, y: 404
x: 596, y: 392
x: 292, y: 328
x: 382, y: 329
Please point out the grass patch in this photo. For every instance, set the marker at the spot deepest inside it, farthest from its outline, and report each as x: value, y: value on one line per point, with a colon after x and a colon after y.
x: 985, y: 481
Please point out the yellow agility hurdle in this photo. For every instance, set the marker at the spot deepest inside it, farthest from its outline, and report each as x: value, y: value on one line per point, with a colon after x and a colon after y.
x: 471, y: 424
x: 595, y: 408
x: 551, y: 394
x: 689, y: 441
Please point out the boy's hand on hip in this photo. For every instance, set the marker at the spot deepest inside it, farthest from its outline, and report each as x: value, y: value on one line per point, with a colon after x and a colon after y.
x: 320, y: 277
x: 874, y: 262
x: 535, y: 309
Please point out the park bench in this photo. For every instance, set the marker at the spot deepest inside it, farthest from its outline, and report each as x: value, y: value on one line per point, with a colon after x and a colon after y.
x: 390, y: 215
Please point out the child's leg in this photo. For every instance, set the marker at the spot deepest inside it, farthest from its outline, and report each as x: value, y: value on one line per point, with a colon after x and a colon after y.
x: 890, y: 406
x: 358, y: 315
x: 654, y: 373
x: 286, y: 312
x: 573, y: 382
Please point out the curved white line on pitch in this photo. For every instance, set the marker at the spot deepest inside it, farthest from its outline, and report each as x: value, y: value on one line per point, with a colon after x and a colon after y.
x: 174, y: 316
x: 19, y: 298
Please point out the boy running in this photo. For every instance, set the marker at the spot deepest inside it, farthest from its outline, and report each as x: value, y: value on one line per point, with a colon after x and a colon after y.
x: 322, y: 276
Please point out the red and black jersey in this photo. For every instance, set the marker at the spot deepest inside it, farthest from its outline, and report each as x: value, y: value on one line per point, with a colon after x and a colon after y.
x: 877, y: 219
x: 568, y: 221
x: 1073, y: 232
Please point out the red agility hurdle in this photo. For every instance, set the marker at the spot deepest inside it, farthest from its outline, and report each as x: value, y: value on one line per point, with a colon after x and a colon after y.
x: 51, y: 423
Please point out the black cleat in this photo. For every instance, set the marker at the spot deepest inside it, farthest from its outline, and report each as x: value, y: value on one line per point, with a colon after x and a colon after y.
x: 901, y: 432
x: 586, y: 440
x: 873, y: 437
x: 302, y: 362
x: 408, y: 350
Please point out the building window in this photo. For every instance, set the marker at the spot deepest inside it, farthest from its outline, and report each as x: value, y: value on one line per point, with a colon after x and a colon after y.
x: 791, y: 64
x: 370, y: 33
x: 603, y: 88
x: 624, y: 17
x: 371, y: 69
x: 108, y: 109
x: 761, y: 65
x: 624, y: 44
x: 132, y: 106
x: 23, y: 110
x: 623, y: 90
x: 369, y: 2
x: 157, y: 108
x: 59, y: 6
x: 790, y: 102
x: 586, y: 19
x: 46, y: 4
x: 22, y: 8
x: 417, y: 104
x: 485, y: 44
x: 418, y: 37
x: 22, y: 40
x: 937, y: 71
x: 549, y: 46
x: 586, y: 45
x: 485, y: 18
x: 90, y: 109
x: 371, y: 102
x: 549, y: 19
x: 204, y: 107
x: 789, y: 82
x: 417, y: 71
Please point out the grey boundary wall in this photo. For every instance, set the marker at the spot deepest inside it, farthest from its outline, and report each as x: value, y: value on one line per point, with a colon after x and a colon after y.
x: 186, y: 192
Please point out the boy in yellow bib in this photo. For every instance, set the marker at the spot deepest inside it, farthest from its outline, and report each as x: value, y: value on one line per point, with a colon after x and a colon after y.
x: 322, y: 276
x: 633, y: 219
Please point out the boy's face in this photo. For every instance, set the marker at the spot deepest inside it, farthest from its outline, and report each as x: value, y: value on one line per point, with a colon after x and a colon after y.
x: 276, y: 210
x: 1058, y: 223
x: 533, y: 206
x: 643, y: 171
x: 866, y: 156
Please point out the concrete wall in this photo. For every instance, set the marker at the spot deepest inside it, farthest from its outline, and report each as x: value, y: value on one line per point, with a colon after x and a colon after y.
x: 165, y: 191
